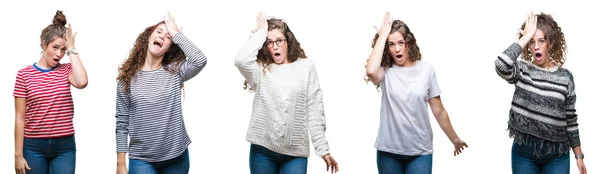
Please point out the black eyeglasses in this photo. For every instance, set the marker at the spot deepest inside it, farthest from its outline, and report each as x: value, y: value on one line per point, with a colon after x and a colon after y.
x: 279, y: 42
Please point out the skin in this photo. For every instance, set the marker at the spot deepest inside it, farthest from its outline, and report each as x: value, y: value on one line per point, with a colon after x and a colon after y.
x: 163, y: 35
x: 398, y: 47
x: 278, y: 52
x: 537, y: 44
x: 53, y: 52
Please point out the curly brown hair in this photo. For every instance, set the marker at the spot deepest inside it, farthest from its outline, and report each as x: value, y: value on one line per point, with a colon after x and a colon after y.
x: 295, y: 52
x: 55, y: 30
x: 414, y: 52
x: 127, y: 71
x: 557, y: 45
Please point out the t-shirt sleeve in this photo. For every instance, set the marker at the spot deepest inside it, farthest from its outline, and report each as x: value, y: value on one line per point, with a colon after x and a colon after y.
x: 434, y: 89
x: 68, y: 69
x: 20, y: 88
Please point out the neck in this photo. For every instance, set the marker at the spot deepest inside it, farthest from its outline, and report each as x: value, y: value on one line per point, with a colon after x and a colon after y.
x: 42, y: 63
x: 547, y: 65
x: 408, y: 63
x: 152, y: 62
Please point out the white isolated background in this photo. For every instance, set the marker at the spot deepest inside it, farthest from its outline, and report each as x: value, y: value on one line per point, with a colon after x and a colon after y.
x: 460, y: 38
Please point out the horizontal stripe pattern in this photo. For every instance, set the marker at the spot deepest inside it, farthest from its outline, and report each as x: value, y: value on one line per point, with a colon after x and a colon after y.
x: 49, y: 105
x: 545, y: 96
x: 150, y: 113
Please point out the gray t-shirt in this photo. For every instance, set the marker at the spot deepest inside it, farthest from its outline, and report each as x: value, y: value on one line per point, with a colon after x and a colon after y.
x: 404, y: 128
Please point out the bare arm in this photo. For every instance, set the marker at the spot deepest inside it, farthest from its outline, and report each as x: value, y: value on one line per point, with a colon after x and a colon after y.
x: 20, y: 163
x: 19, y: 125
x: 78, y: 77
x: 440, y: 114
x: 374, y: 70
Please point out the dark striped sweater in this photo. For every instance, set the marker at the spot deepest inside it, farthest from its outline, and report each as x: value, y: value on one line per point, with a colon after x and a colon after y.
x: 150, y: 113
x: 542, y: 113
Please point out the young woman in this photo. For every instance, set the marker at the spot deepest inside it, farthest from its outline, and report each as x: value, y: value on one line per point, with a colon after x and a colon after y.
x: 404, y: 142
x: 149, y: 100
x: 44, y: 133
x: 542, y: 119
x: 287, y: 105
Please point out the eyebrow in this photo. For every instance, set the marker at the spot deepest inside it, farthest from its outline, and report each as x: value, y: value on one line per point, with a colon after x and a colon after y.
x: 275, y: 38
x: 391, y: 41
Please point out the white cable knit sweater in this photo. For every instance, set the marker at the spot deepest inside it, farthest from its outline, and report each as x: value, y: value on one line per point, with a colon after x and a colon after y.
x: 287, y: 103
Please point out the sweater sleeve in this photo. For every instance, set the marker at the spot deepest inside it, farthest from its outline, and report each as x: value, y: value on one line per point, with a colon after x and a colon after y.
x: 572, y: 126
x: 122, y: 115
x: 507, y: 65
x: 245, y: 60
x: 196, y: 60
x: 316, y: 114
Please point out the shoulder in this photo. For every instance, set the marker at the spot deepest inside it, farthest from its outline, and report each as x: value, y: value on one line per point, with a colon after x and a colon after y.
x: 425, y: 66
x: 63, y: 66
x: 24, y: 72
x: 304, y: 62
x: 566, y: 72
x: 26, y: 69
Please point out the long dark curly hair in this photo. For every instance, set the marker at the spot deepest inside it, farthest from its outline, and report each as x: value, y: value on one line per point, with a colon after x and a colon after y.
x: 294, y: 53
x: 127, y: 71
x: 557, y: 45
x: 411, y: 42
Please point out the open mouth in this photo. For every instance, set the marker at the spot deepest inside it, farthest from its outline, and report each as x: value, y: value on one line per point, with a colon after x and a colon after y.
x: 157, y: 43
x: 538, y: 56
x: 56, y: 59
x: 277, y: 54
x: 399, y: 56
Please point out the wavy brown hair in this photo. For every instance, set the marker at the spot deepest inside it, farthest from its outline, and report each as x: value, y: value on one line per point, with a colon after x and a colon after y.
x: 557, y: 45
x: 55, y: 30
x: 171, y: 60
x: 294, y: 53
x: 414, y: 52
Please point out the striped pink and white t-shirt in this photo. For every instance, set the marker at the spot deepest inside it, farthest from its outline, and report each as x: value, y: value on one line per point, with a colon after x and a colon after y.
x: 49, y: 105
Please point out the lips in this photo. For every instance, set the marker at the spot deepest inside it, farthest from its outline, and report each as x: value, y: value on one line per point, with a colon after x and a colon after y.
x: 399, y: 56
x: 277, y: 54
x: 56, y: 59
x: 538, y: 56
x: 157, y: 43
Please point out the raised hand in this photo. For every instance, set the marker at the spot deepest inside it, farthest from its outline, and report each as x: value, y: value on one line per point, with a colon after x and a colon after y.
x: 331, y: 163
x: 529, y: 31
x: 261, y: 22
x: 386, y: 25
x: 70, y: 38
x: 171, y: 25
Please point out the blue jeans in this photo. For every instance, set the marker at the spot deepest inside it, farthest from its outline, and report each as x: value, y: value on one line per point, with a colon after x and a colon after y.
x: 177, y: 165
x: 524, y: 162
x: 401, y: 164
x: 265, y: 161
x: 50, y: 155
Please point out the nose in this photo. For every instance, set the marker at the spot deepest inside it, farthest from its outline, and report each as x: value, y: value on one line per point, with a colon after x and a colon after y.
x: 537, y: 45
x: 275, y: 46
x: 397, y: 48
